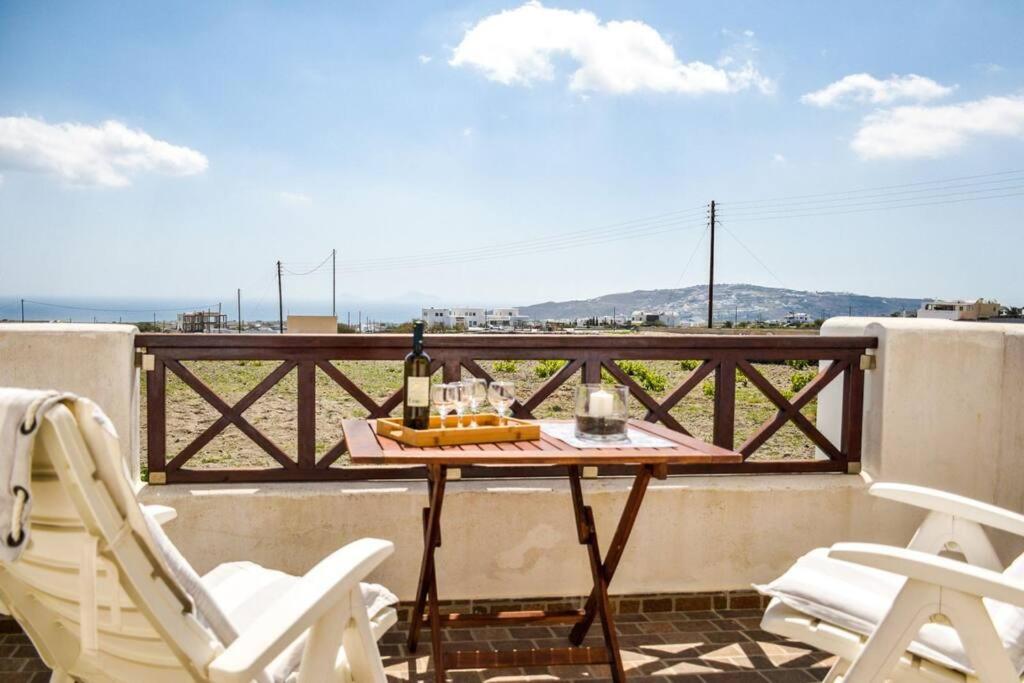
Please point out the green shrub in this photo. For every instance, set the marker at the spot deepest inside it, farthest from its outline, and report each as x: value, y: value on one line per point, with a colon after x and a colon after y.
x: 689, y: 365
x: 799, y: 364
x: 801, y: 379
x: 709, y: 388
x: 506, y: 366
x: 649, y: 379
x: 547, y: 368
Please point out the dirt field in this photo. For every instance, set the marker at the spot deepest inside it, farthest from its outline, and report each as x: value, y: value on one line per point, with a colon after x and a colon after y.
x: 275, y: 413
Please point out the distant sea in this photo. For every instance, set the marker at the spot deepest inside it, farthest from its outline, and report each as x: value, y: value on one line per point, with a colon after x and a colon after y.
x: 127, y: 309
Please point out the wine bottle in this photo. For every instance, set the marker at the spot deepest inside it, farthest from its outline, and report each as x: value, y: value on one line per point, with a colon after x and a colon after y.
x: 416, y: 413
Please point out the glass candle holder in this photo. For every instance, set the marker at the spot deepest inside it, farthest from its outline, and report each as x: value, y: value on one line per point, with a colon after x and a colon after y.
x: 602, y: 411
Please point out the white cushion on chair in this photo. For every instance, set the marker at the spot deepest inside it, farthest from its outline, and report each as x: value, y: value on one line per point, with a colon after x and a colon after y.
x: 857, y: 598
x: 244, y: 590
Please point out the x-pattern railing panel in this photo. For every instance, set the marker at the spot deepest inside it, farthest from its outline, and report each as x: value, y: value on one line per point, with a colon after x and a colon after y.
x: 790, y: 411
x: 720, y: 358
x: 231, y: 414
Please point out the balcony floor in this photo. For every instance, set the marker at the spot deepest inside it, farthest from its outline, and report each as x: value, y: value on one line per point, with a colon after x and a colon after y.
x: 695, y: 647
x: 726, y: 645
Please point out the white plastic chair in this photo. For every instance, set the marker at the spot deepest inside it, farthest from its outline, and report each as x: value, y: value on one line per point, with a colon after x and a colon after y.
x: 909, y: 614
x: 104, y: 595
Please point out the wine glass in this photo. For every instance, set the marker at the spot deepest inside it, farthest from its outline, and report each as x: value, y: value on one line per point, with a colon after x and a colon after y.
x: 475, y: 390
x: 459, y: 400
x: 501, y: 395
x: 441, y: 396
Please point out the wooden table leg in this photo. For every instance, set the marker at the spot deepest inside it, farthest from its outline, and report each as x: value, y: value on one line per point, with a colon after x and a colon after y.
x: 587, y: 532
x: 427, y: 585
x: 611, y: 561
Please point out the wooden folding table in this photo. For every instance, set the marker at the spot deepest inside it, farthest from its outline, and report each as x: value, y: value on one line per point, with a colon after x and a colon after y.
x: 366, y: 447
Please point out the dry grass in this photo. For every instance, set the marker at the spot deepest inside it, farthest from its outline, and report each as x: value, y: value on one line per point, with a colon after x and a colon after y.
x: 275, y: 413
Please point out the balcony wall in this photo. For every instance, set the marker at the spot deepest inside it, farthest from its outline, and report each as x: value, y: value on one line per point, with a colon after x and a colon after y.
x: 96, y: 361
x: 945, y: 408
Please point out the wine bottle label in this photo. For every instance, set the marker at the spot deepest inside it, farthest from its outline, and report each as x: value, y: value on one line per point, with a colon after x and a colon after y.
x: 417, y: 392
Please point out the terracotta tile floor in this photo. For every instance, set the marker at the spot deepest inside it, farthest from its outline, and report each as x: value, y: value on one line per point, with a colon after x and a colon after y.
x: 720, y: 646
x: 696, y: 647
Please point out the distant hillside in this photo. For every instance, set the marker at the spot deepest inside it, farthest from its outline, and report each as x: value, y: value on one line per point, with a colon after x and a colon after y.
x: 744, y: 302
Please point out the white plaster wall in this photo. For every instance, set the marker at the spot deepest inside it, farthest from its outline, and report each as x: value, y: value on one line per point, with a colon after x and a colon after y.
x: 517, y: 539
x: 96, y: 361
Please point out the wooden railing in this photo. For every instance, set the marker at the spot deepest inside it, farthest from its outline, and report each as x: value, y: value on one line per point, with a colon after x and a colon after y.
x: 720, y: 357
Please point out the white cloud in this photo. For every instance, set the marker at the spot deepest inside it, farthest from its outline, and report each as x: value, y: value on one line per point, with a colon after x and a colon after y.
x: 517, y: 47
x: 865, y: 88
x: 467, y: 132
x: 425, y: 59
x: 915, y: 132
x: 105, y: 155
x: 778, y: 158
x: 295, y: 198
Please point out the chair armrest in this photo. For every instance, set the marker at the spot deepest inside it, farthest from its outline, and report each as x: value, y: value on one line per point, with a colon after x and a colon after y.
x: 313, y: 596
x: 953, y: 505
x: 161, y: 514
x: 932, y: 569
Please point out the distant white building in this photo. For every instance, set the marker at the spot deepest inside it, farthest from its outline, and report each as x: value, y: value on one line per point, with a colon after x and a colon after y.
x: 796, y: 319
x: 473, y: 318
x: 978, y: 309
x: 436, y: 317
x: 666, y: 318
x: 505, y: 317
x: 201, y: 321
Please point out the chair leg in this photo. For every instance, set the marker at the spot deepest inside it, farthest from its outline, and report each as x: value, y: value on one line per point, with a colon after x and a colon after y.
x: 915, y: 602
x: 319, y: 657
x: 364, y: 660
x: 837, y: 670
x: 981, y: 641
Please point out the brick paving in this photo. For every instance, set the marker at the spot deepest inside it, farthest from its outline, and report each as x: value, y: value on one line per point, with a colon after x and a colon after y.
x: 701, y: 645
x: 698, y: 646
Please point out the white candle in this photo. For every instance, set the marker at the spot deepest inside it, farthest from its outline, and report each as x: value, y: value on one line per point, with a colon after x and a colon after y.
x: 601, y: 403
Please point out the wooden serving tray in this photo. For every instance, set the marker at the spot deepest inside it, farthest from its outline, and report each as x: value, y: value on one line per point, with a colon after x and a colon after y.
x: 488, y: 430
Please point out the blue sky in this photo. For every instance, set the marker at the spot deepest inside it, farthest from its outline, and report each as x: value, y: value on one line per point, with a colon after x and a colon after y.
x: 180, y: 149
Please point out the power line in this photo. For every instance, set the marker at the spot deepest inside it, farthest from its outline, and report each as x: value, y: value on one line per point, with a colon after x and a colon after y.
x: 742, y: 206
x: 754, y: 255
x: 308, y: 272
x: 879, y: 187
x: 747, y: 219
x: 873, y: 202
x: 689, y: 261
x: 120, y: 310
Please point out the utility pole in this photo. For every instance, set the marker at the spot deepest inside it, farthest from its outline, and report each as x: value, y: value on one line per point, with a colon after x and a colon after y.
x: 360, y: 321
x: 239, y: 311
x: 280, y: 301
x: 711, y: 272
x: 334, y: 284
x: 22, y: 310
